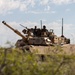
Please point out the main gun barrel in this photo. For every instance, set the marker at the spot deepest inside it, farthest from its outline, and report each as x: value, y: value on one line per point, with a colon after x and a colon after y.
x: 16, y: 31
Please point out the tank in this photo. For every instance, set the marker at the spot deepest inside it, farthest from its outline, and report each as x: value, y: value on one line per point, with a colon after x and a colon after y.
x: 31, y: 36
x: 37, y: 37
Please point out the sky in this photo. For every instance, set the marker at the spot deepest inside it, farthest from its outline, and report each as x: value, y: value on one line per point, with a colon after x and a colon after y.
x: 30, y: 12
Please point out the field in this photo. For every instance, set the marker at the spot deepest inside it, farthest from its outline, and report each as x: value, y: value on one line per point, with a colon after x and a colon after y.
x: 57, y: 60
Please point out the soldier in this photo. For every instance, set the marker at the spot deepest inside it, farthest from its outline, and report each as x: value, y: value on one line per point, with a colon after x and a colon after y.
x: 44, y: 31
x: 35, y: 31
x: 38, y: 32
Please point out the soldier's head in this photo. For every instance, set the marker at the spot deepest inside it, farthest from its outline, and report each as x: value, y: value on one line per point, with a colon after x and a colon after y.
x: 44, y: 27
x: 35, y: 27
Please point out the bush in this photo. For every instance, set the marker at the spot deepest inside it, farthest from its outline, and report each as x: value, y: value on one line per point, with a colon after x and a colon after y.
x: 16, y: 62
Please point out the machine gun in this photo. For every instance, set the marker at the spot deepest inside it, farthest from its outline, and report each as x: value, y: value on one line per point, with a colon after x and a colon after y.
x: 16, y: 31
x: 23, y: 26
x: 24, y: 30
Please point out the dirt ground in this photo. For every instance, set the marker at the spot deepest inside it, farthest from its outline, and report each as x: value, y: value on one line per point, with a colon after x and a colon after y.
x: 67, y: 49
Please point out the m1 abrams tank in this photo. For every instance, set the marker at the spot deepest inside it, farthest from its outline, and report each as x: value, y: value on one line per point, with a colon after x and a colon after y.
x: 31, y: 37
x: 37, y: 37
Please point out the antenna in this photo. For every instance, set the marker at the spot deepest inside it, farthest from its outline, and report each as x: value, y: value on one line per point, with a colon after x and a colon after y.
x: 41, y: 23
x: 62, y: 29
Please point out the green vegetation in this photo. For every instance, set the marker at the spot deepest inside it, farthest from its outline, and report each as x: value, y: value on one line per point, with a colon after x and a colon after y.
x: 16, y: 62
